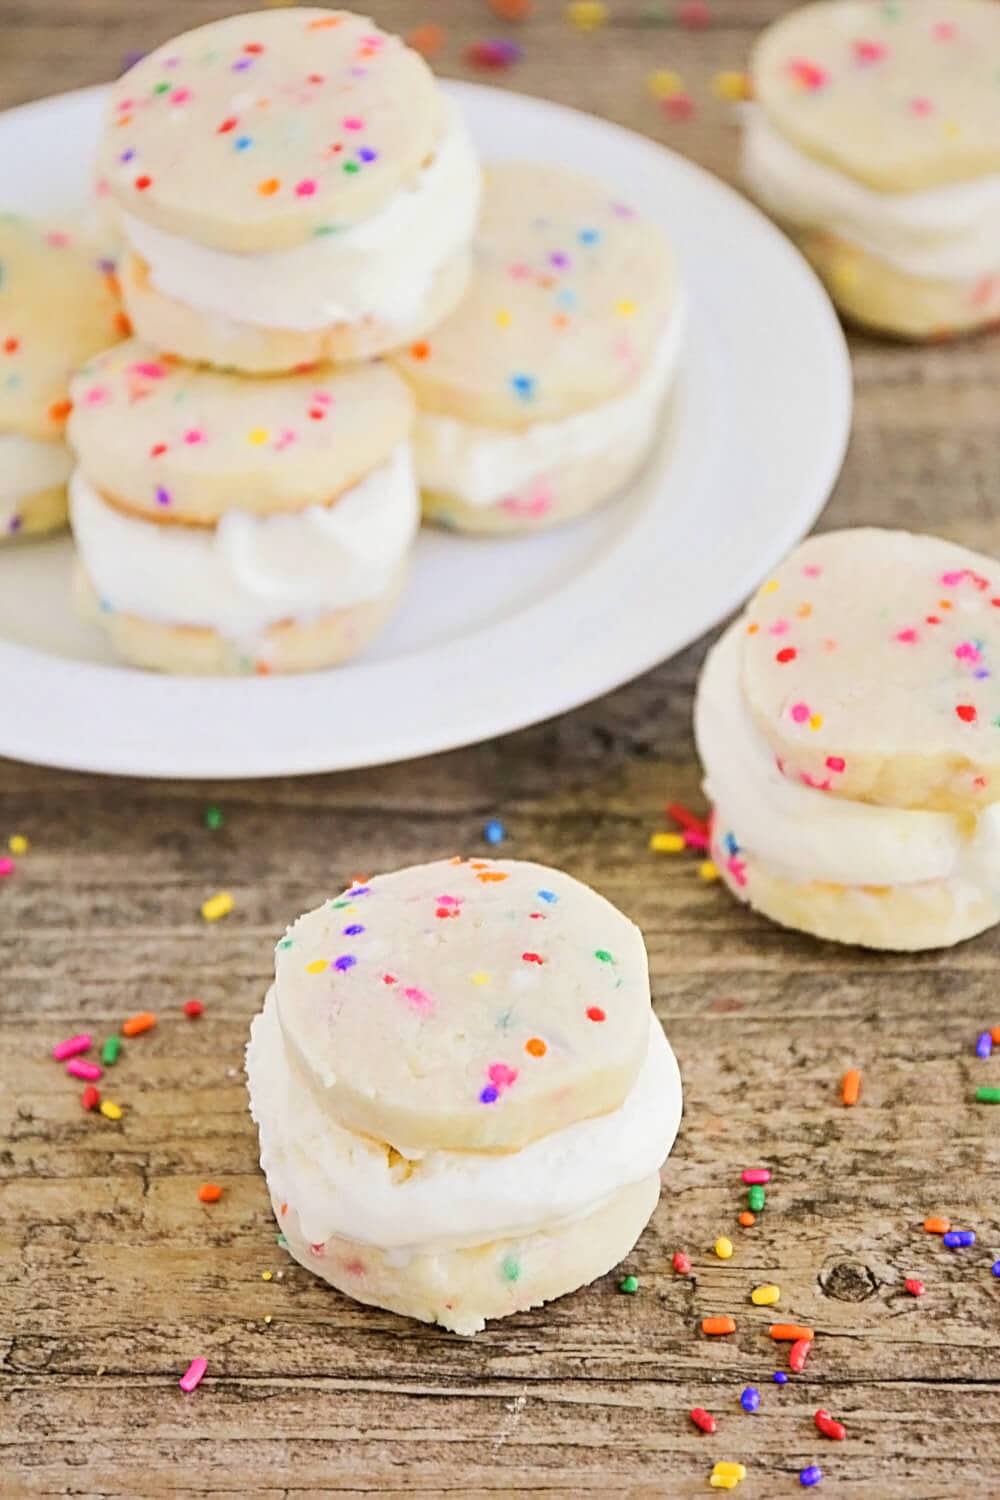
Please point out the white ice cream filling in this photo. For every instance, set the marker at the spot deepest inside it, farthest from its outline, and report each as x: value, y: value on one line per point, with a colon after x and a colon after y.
x: 27, y: 466
x: 249, y: 571
x: 802, y: 834
x: 381, y: 268
x: 340, y: 1183
x: 482, y: 466
x: 945, y: 233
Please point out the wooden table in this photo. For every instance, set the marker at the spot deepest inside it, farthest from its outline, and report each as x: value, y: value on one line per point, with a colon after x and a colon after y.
x: 115, y: 1275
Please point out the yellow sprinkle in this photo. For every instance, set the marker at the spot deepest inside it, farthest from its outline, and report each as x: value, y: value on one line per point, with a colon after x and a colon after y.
x: 257, y: 436
x: 666, y: 843
x: 502, y: 318
x: 267, y: 1317
x: 951, y: 130
x: 267, y: 1275
x: 724, y: 1248
x: 707, y: 870
x: 217, y: 906
x: 844, y: 273
x: 110, y: 1111
x: 479, y: 977
x: 17, y: 844
x: 317, y: 966
x: 727, y: 1476
x: 731, y: 86
x: 625, y: 308
x: 770, y: 587
x: 663, y: 83
x: 587, y: 14
x: 815, y: 721
x: 804, y: 611
x: 765, y: 1296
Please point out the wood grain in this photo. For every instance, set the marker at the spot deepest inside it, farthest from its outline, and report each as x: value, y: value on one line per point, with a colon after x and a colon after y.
x: 114, y: 1275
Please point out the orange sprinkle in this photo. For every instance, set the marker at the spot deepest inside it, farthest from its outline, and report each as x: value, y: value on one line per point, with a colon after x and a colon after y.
x: 790, y: 1331
x: 209, y: 1192
x: 323, y: 23
x: 851, y: 1087
x: 747, y: 1218
x: 535, y: 1046
x: 427, y: 40
x: 420, y: 350
x: 490, y: 876
x: 136, y: 1025
x: 936, y: 1225
x: 60, y: 410
x: 995, y: 1036
x: 512, y: 10
x: 718, y: 1325
x: 268, y: 187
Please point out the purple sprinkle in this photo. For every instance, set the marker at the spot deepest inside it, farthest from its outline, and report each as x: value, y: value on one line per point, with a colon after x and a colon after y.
x: 162, y: 495
x: 241, y: 65
x: 367, y: 154
x: 359, y: 72
x: 127, y: 155
x: 354, y: 929
x: 559, y: 258
x: 359, y: 890
x: 15, y: 523
x: 984, y: 1044
x: 107, y: 265
x: 344, y: 962
x: 130, y: 59
x: 490, y: 1094
x: 623, y: 211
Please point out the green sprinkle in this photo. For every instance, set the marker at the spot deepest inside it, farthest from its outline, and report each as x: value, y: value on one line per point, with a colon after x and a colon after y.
x: 510, y: 1269
x: 282, y: 1241
x: 324, y: 229
x: 110, y: 1051
x: 161, y: 88
x: 756, y: 1197
x: 285, y: 943
x: 351, y: 166
x: 214, y: 817
x: 629, y: 1284
x: 603, y: 956
x: 987, y: 1096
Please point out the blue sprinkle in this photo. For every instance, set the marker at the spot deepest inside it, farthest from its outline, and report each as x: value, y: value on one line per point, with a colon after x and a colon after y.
x: 242, y: 143
x: 367, y: 154
x: 589, y: 236
x: 359, y: 890
x: 810, y: 1476
x: 984, y: 1045
x: 344, y: 962
x: 959, y: 1239
x: 732, y: 847
x: 995, y: 1268
x: 750, y: 1398
x: 547, y: 896
x: 566, y: 297
x: 780, y: 1378
x: 494, y: 832
x: 354, y: 929
x: 523, y: 386
x: 490, y: 1094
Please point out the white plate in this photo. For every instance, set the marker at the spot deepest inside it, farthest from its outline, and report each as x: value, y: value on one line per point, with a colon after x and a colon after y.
x: 493, y: 635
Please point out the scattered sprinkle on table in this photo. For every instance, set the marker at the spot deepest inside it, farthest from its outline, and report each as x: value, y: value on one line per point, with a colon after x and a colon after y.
x: 217, y: 906
x: 427, y: 39
x: 209, y: 1192
x: 790, y: 1332
x: 718, y: 1326
x: 959, y: 1239
x: 851, y: 1087
x: 747, y: 1219
x: 780, y: 1377
x: 810, y: 1476
x: 7, y: 866
x: 731, y: 86
x: 756, y: 1198
x: 766, y: 1295
x: 726, y: 1476
x: 681, y: 1262
x: 78, y: 1068
x: 829, y: 1427
x: 213, y: 817
x: 984, y: 1044
x: 512, y: 10
x: 724, y: 1248
x: 753, y: 1176
x: 193, y: 1375
x: 267, y: 1275
x: 72, y: 1045
x: 988, y: 1096
x: 798, y: 1354
x: 136, y: 1025
x: 109, y: 1052
x: 587, y: 14
x: 629, y: 1284
x: 110, y: 1110
x: 667, y: 843
x: 937, y: 1225
x: 494, y: 832
x: 90, y: 1098
x: 663, y: 83
x: 995, y: 1268
x: 707, y: 870
x: 703, y: 1419
x: 914, y: 1287
x: 18, y: 844
x: 193, y: 1009
x: 750, y: 1398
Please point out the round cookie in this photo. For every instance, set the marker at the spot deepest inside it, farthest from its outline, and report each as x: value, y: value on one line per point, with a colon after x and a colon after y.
x: 58, y: 306
x: 227, y: 525
x: 875, y: 140
x: 292, y: 187
x: 517, y: 998
x: 869, y: 665
x: 542, y: 393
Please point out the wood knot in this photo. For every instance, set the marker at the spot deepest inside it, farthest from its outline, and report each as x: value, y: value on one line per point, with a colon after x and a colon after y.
x: 848, y: 1281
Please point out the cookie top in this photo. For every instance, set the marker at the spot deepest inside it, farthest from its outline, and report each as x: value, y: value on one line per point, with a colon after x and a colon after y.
x: 259, y: 131
x: 871, y: 663
x: 899, y: 95
x: 466, y: 1004
x: 185, y: 444
x: 571, y: 293
x: 58, y: 306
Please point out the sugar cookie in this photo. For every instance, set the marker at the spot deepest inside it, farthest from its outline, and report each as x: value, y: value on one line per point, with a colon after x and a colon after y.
x: 542, y: 393
x: 875, y: 140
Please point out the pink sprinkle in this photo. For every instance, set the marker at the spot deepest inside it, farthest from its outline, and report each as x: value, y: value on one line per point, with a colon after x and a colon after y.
x: 305, y: 188
x: 944, y: 31
x: 835, y: 763
x: 694, y: 15
x: 193, y: 1375
x: 870, y: 52
x: 738, y: 869
x: 908, y: 636
x: 449, y: 901
x: 501, y: 1075
x: 419, y: 999
x: 180, y: 96
x: 695, y: 840
x: 810, y: 75
x: 778, y: 628
x: 756, y: 1174
x: 678, y: 106
x: 812, y: 570
x: 57, y: 238
x: 77, y: 1068
x: 922, y: 106
x: 966, y: 651
x: 150, y: 368
x: 318, y: 1249
x: 72, y: 1045
x: 96, y: 396
x: 194, y: 435
x: 799, y: 712
x: 952, y: 579
x: 353, y: 123
x: 818, y: 786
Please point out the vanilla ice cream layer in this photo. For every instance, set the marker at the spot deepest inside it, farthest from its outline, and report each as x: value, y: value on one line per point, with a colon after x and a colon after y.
x: 483, y: 465
x: 340, y: 1183
x: 27, y: 466
x: 946, y: 233
x: 804, y: 834
x: 382, y: 268
x: 251, y: 571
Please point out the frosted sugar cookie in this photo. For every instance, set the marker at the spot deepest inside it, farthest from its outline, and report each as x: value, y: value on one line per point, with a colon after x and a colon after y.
x: 849, y: 728
x: 228, y: 525
x: 292, y: 188
x: 875, y: 141
x: 58, y: 306
x: 463, y: 1096
x: 542, y: 393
